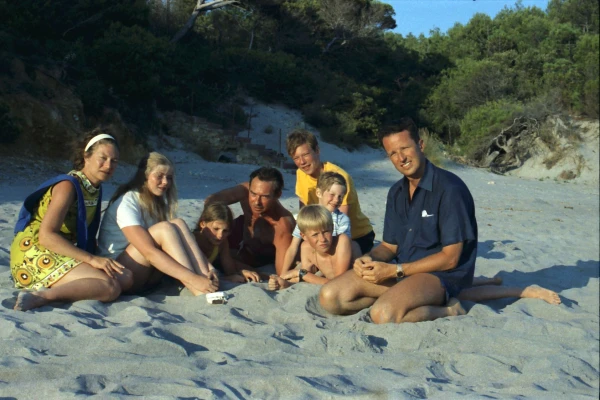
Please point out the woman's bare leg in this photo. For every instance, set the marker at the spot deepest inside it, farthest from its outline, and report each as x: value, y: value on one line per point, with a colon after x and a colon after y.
x: 81, y: 283
x: 484, y: 293
x: 197, y: 258
x: 167, y: 237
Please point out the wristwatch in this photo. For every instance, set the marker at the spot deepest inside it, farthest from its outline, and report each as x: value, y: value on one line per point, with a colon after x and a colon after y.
x: 301, y: 274
x: 399, y: 272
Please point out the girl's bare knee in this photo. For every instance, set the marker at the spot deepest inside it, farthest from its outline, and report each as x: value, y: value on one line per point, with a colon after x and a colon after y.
x: 158, y: 231
x: 180, y: 223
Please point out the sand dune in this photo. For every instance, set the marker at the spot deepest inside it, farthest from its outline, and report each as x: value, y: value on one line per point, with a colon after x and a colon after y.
x: 265, y: 344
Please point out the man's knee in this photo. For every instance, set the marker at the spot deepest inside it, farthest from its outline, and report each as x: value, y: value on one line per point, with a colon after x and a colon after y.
x: 329, y: 298
x: 385, y: 313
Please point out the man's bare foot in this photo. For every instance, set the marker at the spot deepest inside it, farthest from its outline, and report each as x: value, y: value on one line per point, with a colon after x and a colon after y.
x: 536, y: 292
x: 482, y: 281
x: 455, y: 308
x: 29, y: 300
x: 276, y: 283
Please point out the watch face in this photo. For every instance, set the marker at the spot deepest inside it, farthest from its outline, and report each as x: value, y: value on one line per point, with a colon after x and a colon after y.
x: 399, y: 271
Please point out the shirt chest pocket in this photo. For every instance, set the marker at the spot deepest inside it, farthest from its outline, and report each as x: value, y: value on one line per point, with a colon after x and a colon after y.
x: 428, y: 235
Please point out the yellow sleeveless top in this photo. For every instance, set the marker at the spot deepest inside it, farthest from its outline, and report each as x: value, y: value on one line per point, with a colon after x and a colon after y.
x: 34, y: 266
x: 213, y: 255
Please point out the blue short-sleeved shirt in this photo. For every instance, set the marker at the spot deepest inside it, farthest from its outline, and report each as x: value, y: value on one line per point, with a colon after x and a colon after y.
x: 341, y: 224
x: 441, y: 213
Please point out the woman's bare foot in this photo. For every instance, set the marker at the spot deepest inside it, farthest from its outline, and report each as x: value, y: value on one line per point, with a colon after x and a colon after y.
x: 276, y: 283
x: 483, y: 281
x: 455, y: 308
x: 29, y: 300
x: 536, y: 292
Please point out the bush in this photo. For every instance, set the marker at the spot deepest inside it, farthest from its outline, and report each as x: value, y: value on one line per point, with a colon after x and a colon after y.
x: 483, y: 122
x: 130, y: 60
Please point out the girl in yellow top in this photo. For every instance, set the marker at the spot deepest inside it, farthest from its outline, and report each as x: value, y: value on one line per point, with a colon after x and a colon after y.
x: 45, y: 255
x: 211, y: 235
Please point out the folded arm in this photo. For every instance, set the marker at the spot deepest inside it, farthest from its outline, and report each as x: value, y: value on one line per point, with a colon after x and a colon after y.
x: 63, y: 196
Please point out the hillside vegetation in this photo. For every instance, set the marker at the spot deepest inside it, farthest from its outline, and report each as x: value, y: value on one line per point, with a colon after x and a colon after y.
x: 68, y: 65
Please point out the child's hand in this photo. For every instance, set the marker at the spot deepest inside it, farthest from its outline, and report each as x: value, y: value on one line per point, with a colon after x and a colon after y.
x: 291, y: 276
x: 250, y: 276
x: 276, y: 283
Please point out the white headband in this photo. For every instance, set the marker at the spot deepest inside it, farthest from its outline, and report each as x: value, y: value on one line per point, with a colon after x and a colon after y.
x: 96, y: 139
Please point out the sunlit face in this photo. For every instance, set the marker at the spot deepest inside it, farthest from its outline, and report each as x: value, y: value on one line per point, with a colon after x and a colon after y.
x: 406, y: 155
x: 332, y: 198
x: 215, y: 231
x: 307, y: 160
x: 101, y: 164
x: 318, y: 239
x: 160, y: 180
x: 261, y: 196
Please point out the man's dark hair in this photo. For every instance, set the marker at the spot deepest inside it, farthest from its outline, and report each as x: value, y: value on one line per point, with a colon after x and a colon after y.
x: 269, y: 174
x: 401, y: 125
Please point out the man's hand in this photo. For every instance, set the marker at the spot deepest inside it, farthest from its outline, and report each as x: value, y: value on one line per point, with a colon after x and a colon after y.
x: 360, y: 263
x: 377, y: 272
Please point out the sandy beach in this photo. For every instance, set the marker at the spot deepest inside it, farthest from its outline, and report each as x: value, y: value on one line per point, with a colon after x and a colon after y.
x: 271, y: 345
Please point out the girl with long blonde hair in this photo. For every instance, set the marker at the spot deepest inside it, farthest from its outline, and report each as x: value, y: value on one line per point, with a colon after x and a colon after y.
x: 139, y: 230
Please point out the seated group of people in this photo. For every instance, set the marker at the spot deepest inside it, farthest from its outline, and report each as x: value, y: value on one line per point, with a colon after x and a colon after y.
x: 420, y: 271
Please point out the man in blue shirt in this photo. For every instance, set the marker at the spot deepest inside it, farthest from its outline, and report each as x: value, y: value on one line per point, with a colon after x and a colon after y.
x: 429, y: 245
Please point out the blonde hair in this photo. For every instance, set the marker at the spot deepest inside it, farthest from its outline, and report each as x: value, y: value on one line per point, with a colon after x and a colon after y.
x: 158, y: 208
x: 216, y: 212
x: 328, y: 179
x: 314, y: 217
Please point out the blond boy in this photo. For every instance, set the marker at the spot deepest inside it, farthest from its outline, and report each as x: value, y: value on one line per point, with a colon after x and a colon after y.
x: 330, y: 191
x: 320, y: 251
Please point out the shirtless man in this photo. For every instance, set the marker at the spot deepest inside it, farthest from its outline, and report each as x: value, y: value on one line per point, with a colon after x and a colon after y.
x: 263, y: 233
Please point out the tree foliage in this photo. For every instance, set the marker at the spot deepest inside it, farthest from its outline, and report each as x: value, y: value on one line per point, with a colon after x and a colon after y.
x: 336, y: 60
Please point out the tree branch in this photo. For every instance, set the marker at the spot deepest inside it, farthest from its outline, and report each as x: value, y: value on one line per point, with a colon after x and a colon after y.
x: 201, y: 6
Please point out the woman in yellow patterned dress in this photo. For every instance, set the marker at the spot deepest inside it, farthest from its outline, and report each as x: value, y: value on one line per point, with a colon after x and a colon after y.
x: 45, y: 257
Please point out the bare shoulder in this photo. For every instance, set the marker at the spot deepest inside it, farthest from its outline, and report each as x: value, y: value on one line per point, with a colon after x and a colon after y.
x: 63, y: 189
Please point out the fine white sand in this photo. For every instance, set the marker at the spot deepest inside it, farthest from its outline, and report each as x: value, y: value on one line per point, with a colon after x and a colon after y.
x: 265, y: 344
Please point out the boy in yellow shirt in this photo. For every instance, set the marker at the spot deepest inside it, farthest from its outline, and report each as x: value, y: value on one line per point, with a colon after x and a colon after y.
x: 303, y: 148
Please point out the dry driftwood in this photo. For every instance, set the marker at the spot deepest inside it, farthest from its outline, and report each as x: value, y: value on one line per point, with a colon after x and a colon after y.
x: 511, y: 147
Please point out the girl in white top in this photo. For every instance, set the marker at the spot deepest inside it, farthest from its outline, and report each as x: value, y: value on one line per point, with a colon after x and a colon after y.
x: 139, y: 231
